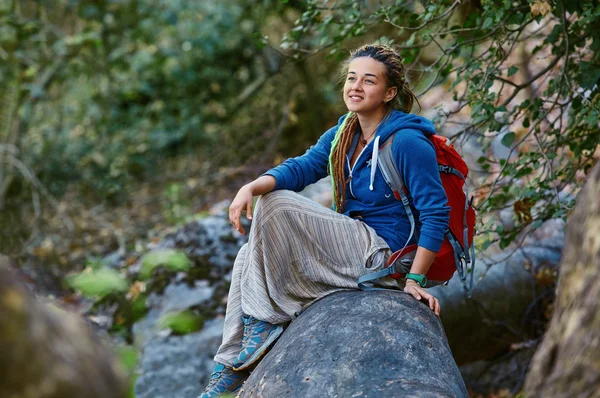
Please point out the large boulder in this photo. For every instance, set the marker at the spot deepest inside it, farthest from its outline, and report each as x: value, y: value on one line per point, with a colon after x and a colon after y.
x: 360, y: 344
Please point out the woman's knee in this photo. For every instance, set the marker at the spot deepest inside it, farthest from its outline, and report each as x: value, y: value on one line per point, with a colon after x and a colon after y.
x: 276, y: 200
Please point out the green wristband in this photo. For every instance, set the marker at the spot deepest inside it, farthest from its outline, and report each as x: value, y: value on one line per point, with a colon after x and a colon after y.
x: 419, y: 278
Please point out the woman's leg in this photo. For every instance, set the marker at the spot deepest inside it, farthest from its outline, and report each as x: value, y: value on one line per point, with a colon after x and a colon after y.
x: 233, y: 327
x: 300, y: 251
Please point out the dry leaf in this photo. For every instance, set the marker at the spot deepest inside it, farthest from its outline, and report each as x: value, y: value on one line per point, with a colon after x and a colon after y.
x: 540, y: 8
x: 135, y: 290
x: 522, y: 210
x: 546, y: 277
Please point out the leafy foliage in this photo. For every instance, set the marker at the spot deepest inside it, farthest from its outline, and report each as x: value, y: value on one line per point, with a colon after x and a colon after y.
x: 524, y: 75
x: 105, y: 91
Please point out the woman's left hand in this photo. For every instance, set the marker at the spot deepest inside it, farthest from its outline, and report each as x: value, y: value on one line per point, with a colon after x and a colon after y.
x: 421, y: 294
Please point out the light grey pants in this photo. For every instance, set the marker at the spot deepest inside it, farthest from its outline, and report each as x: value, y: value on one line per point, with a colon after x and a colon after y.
x: 298, y: 251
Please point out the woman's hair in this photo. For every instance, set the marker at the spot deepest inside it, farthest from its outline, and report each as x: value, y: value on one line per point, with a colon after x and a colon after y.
x: 403, y: 100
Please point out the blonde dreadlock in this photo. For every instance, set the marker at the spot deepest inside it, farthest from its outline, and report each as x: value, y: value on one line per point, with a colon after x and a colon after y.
x: 404, y: 100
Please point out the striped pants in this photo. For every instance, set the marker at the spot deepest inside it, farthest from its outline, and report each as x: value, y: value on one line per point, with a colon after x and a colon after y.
x: 298, y: 251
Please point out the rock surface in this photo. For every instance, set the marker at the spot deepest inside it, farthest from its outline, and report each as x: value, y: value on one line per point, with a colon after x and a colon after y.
x: 360, y: 344
x: 179, y: 366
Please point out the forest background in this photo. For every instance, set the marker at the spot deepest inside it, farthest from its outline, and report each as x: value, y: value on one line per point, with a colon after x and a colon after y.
x: 122, y: 119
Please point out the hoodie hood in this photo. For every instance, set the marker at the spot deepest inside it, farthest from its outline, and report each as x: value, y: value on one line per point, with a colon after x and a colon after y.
x: 392, y: 122
x: 397, y: 120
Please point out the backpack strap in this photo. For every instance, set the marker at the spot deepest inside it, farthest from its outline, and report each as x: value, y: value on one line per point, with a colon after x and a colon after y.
x: 452, y: 170
x: 374, y: 276
x: 393, y: 178
x: 468, y: 253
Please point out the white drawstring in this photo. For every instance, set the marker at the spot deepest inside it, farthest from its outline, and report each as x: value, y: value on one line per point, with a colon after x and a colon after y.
x: 374, y: 161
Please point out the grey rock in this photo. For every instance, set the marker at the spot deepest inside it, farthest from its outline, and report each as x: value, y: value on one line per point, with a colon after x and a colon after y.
x: 210, y: 243
x: 176, y: 297
x: 319, y: 192
x: 360, y: 344
x: 507, y: 371
x: 178, y: 366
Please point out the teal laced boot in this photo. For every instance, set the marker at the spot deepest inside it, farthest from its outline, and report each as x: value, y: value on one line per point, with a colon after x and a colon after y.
x: 258, y: 337
x: 224, y: 380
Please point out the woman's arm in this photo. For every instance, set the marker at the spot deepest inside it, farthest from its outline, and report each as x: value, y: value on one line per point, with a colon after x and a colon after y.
x: 293, y: 174
x: 417, y: 162
x: 244, y: 199
x: 421, y: 263
x: 296, y: 173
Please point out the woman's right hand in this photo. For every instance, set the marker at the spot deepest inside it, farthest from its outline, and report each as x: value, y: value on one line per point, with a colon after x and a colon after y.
x: 243, y: 201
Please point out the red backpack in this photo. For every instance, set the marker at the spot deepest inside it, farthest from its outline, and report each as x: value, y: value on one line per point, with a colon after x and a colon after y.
x: 456, y: 252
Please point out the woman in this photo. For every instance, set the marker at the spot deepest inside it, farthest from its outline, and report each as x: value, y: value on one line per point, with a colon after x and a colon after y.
x: 299, y: 251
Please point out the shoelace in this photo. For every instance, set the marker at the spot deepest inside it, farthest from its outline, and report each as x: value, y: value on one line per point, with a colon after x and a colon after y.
x: 247, y: 330
x: 214, y: 378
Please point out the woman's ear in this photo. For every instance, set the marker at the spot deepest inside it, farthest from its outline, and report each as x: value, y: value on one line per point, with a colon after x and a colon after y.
x: 390, y: 94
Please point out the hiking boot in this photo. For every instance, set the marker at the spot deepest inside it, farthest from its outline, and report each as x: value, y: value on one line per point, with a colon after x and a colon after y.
x: 223, y: 380
x: 258, y: 337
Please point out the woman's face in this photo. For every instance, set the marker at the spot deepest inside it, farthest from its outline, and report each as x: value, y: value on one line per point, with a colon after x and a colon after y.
x: 365, y: 89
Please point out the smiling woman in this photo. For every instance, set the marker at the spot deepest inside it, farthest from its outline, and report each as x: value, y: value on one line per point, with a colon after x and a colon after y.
x: 366, y: 90
x: 299, y: 251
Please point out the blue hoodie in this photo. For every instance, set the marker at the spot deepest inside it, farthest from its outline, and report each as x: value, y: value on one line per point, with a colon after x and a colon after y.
x: 368, y: 197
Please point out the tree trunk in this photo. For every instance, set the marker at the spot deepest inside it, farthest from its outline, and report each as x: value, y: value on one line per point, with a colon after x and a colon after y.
x: 48, y: 353
x: 567, y: 363
x: 360, y: 344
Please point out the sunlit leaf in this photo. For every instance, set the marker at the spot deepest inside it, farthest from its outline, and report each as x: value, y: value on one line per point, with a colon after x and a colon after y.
x: 98, y: 283
x: 182, y: 322
x: 171, y: 259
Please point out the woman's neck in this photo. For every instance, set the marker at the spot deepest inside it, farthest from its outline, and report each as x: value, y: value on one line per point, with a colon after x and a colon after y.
x: 368, y: 123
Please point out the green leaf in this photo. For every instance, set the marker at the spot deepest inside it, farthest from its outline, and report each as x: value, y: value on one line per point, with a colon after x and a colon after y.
x: 537, y: 224
x: 504, y: 242
x: 512, y: 70
x: 128, y: 357
x: 555, y: 34
x: 508, y: 139
x: 98, y: 283
x: 486, y: 244
x: 182, y: 322
x: 171, y: 259
x: 589, y: 74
